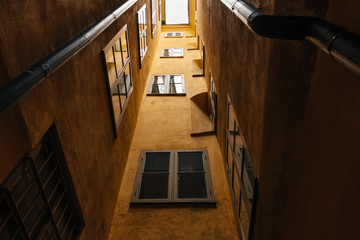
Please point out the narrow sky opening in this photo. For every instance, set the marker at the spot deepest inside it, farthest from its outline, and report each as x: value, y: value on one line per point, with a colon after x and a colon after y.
x: 177, y: 11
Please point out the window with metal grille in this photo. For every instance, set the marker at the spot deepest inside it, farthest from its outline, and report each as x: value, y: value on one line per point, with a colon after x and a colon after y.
x: 116, y: 59
x: 173, y: 176
x: 37, y: 200
x: 161, y: 85
x: 241, y: 174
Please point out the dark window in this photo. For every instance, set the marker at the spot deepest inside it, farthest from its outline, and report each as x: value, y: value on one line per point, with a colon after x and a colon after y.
x: 142, y: 32
x: 173, y: 176
x: 37, y: 200
x: 116, y: 59
x: 241, y: 174
x: 167, y: 85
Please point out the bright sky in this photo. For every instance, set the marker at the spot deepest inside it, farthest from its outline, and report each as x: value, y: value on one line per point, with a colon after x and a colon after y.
x: 177, y: 11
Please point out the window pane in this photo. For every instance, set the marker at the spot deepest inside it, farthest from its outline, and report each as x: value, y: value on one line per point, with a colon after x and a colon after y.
x: 236, y: 186
x: 127, y: 78
x: 118, y: 58
x: 229, y: 157
x: 124, y: 48
x: 154, y: 186
x: 192, y: 185
x: 190, y: 161
x: 231, y: 120
x: 175, y: 84
x: 110, y: 64
x: 157, y: 162
x: 158, y: 84
x: 244, y: 219
x: 116, y: 106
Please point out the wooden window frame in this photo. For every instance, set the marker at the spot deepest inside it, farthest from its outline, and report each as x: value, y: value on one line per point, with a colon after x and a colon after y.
x: 114, y: 89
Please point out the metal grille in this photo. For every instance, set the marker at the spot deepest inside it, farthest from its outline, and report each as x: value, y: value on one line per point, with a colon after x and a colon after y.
x: 35, y: 201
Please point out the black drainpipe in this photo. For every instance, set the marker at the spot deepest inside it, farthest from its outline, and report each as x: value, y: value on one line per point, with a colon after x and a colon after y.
x: 340, y: 44
x: 13, y: 90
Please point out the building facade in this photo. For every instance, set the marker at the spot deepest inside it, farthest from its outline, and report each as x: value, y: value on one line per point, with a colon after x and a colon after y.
x: 281, y: 141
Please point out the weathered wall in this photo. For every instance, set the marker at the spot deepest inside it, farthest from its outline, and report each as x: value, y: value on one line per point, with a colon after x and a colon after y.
x: 165, y: 123
x: 74, y: 97
x: 299, y: 111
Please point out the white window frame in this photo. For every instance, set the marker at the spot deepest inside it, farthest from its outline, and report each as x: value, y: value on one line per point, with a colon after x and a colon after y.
x: 167, y: 86
x: 172, y: 182
x: 142, y: 33
x: 171, y: 52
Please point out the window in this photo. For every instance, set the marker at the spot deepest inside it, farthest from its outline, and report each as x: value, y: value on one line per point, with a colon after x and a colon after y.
x: 241, y: 174
x: 172, y: 53
x: 142, y: 29
x: 153, y: 17
x: 37, y: 200
x: 116, y: 58
x: 173, y: 35
x: 173, y: 176
x: 213, y: 102
x: 159, y: 4
x: 202, y: 55
x: 167, y: 85
x: 177, y: 12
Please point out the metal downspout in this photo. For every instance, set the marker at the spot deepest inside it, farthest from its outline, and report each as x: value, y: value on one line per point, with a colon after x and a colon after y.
x: 14, y: 89
x: 340, y: 44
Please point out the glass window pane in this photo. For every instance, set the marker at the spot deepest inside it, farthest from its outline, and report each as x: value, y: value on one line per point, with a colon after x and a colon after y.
x: 192, y: 185
x: 118, y: 57
x: 157, y: 162
x: 190, y: 161
x: 158, y: 84
x: 127, y: 78
x: 229, y: 156
x: 175, y: 84
x: 124, y: 47
x: 236, y: 186
x: 116, y: 106
x: 231, y: 120
x: 244, y: 219
x: 154, y: 186
x: 110, y: 64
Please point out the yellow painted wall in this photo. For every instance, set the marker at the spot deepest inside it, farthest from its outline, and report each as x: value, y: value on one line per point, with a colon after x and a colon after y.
x: 165, y: 123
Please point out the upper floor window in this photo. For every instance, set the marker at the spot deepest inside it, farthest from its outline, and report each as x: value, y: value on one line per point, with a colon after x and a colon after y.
x: 142, y: 32
x: 173, y: 176
x: 213, y: 101
x: 167, y: 85
x: 38, y: 200
x: 116, y: 57
x: 153, y: 17
x: 241, y: 173
x: 172, y: 53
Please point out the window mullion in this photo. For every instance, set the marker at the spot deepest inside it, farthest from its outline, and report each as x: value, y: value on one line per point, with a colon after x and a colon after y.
x: 173, y: 177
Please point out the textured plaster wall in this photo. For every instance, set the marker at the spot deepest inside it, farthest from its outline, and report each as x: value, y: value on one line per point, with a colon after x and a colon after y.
x: 74, y: 97
x: 299, y: 111
x: 165, y: 123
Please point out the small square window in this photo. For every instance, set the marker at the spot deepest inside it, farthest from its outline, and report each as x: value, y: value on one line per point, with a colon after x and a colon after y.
x: 161, y: 85
x: 172, y: 53
x: 173, y: 35
x: 173, y: 176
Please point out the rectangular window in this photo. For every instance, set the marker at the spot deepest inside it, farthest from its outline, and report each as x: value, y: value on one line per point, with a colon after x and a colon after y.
x: 172, y: 53
x: 161, y: 85
x: 173, y: 35
x: 173, y: 176
x: 116, y: 58
x: 153, y: 17
x: 38, y: 200
x: 213, y: 101
x: 241, y: 173
x: 142, y: 32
